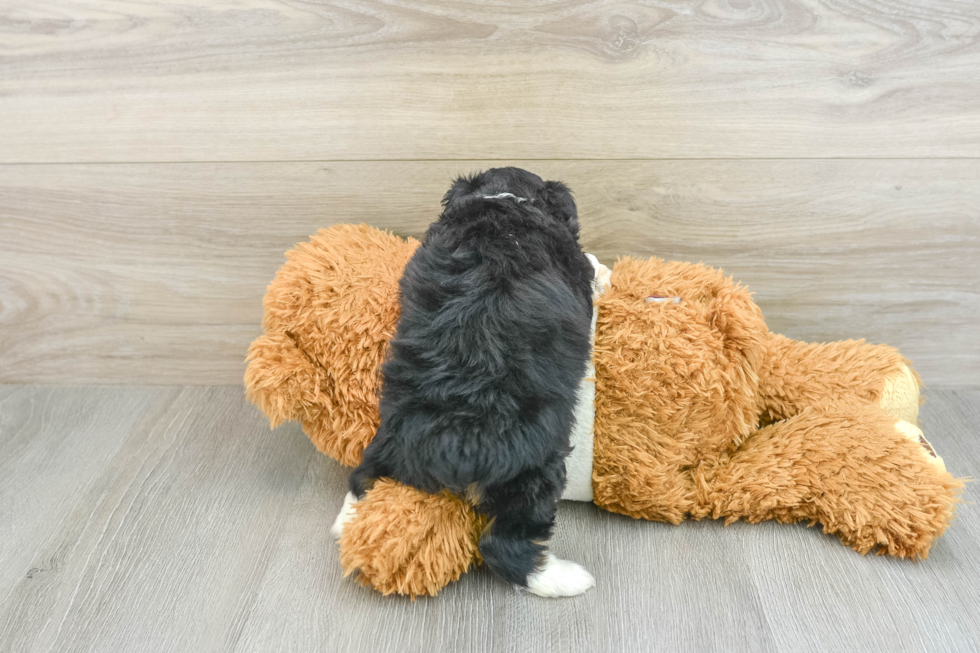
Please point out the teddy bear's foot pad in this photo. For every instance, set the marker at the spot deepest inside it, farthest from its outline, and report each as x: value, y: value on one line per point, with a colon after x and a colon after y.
x: 914, y: 433
x: 559, y: 578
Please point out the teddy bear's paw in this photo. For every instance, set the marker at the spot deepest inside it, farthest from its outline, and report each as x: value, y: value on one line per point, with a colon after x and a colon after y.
x: 347, y: 513
x: 603, y: 275
x: 915, y: 434
x: 558, y: 577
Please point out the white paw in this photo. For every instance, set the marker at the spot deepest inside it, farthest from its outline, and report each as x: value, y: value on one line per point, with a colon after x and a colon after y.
x: 347, y: 513
x: 559, y: 578
x: 600, y: 283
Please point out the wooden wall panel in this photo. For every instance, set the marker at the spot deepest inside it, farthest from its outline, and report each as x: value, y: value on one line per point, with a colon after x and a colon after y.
x: 272, y: 80
x: 154, y: 273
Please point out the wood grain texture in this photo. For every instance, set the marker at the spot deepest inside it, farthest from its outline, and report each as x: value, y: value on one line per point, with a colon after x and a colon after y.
x: 155, y: 273
x: 54, y: 450
x: 246, y: 80
x: 168, y: 541
x: 184, y: 524
x: 882, y: 604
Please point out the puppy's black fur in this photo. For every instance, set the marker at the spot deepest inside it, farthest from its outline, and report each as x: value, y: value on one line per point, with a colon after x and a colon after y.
x: 480, y: 385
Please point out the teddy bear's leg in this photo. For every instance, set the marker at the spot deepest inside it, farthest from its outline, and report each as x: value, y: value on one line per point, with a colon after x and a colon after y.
x: 795, y: 374
x: 405, y: 541
x: 856, y: 470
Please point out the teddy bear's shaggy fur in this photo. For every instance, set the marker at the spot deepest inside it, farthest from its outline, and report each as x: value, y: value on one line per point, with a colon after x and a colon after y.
x: 700, y: 412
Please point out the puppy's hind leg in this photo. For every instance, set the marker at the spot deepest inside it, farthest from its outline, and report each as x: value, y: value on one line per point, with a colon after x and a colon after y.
x: 362, y: 478
x: 347, y: 512
x: 514, y: 544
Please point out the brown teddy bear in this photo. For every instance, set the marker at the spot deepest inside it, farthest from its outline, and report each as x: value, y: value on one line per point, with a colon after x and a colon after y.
x: 699, y: 411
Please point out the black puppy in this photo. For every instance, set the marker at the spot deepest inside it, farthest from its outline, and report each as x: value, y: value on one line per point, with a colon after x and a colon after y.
x: 479, y: 389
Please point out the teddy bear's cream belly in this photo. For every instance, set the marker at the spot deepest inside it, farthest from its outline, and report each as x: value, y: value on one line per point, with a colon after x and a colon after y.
x: 578, y: 465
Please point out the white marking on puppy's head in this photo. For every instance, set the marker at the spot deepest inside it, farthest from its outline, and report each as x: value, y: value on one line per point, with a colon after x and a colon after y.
x: 501, y: 196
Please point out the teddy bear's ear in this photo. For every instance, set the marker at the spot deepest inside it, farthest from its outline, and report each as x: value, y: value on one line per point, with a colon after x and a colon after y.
x: 329, y: 315
x: 280, y: 379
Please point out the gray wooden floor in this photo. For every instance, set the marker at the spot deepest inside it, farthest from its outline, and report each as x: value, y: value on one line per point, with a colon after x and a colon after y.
x: 172, y: 519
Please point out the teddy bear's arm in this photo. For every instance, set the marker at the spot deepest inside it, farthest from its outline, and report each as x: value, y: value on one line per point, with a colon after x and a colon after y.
x: 794, y: 375
x: 856, y: 470
x: 404, y: 541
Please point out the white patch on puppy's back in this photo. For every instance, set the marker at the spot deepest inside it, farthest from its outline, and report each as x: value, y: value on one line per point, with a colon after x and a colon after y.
x: 578, y: 464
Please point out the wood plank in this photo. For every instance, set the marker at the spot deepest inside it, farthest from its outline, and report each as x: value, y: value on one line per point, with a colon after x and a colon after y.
x: 206, y: 531
x: 171, y: 540
x: 247, y: 80
x: 55, y: 445
x: 155, y: 273
x: 876, y: 602
x: 642, y: 595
